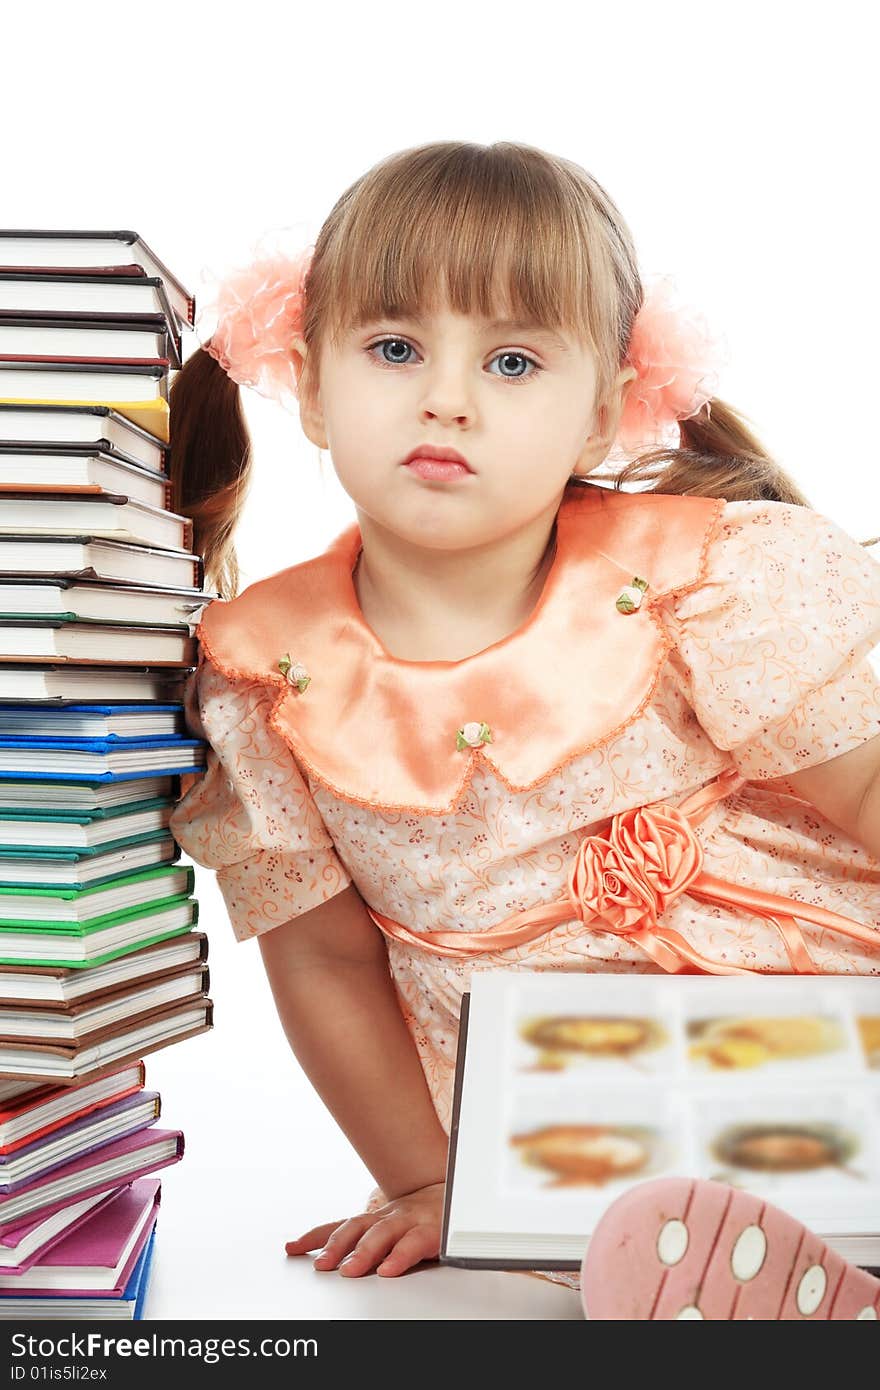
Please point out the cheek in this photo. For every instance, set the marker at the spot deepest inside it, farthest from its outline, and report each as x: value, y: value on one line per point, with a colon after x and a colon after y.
x: 357, y: 428
x: 531, y: 446
x: 547, y: 418
x: 568, y: 418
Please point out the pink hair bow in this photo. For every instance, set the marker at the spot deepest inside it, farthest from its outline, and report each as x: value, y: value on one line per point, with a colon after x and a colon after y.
x: 678, y: 363
x: 258, y: 312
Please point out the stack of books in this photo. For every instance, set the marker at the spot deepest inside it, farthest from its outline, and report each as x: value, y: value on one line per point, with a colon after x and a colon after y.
x: 100, y: 591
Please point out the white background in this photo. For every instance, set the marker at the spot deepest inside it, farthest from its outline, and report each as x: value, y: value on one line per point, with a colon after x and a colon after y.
x: 739, y: 142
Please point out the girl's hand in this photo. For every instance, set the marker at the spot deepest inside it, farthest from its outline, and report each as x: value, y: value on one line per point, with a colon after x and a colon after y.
x: 389, y: 1240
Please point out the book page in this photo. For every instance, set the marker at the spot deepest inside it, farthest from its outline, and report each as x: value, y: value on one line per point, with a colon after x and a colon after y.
x: 577, y: 1086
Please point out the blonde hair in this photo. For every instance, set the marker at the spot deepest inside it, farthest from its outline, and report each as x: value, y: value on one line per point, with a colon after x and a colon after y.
x: 495, y: 226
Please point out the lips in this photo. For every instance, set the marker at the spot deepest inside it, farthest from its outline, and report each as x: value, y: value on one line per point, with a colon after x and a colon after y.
x: 432, y: 451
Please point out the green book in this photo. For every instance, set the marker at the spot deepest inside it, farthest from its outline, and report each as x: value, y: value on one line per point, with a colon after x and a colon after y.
x: 25, y: 836
x: 50, y: 795
x: 100, y: 941
x: 72, y: 909
x: 76, y: 853
x: 129, y: 808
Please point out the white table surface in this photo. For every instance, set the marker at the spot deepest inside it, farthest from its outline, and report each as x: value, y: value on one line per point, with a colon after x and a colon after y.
x: 264, y: 1161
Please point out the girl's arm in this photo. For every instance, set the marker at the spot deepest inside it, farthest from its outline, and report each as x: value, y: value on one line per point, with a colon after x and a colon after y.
x: 328, y: 970
x: 329, y: 974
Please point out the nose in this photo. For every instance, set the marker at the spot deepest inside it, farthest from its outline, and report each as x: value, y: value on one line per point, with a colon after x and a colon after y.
x: 446, y: 394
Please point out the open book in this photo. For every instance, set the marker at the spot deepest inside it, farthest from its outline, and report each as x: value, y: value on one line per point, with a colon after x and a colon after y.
x: 572, y: 1087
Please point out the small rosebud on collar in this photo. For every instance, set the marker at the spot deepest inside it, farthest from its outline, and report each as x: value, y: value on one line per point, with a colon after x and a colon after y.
x: 473, y: 735
x: 294, y: 672
x: 630, y: 597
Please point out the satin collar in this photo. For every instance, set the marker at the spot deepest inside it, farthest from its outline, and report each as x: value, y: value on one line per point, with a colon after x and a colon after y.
x: 384, y: 732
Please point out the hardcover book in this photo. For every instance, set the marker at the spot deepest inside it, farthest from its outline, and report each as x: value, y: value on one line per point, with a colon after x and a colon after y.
x: 571, y: 1087
x: 96, y: 1259
x: 127, y: 1306
x: 49, y: 427
x: 39, y: 1109
x: 133, y: 1156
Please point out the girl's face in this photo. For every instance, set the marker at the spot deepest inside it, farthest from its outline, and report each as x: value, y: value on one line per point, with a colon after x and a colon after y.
x: 517, y: 402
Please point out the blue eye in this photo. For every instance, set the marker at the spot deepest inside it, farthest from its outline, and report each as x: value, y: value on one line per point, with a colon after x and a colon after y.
x: 398, y: 342
x: 523, y: 358
x: 408, y: 347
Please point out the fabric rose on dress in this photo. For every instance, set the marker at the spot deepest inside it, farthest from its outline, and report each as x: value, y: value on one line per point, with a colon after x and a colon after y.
x: 660, y: 844
x: 651, y: 857
x: 602, y: 884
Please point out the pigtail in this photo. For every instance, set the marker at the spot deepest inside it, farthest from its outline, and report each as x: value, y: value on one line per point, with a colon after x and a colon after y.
x: 719, y: 456
x: 210, y: 464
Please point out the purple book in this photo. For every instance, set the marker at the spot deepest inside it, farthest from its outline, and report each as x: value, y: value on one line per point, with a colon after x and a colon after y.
x: 133, y: 1156
x: 98, y: 1258
x: 82, y: 1136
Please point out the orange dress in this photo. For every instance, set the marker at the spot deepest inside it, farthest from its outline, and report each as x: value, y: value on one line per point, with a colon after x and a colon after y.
x: 465, y: 798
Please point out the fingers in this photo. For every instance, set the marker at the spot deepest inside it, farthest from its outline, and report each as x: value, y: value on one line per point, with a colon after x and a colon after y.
x: 416, y: 1244
x: 336, y: 1237
x: 313, y: 1239
x: 343, y: 1241
x: 391, y: 1246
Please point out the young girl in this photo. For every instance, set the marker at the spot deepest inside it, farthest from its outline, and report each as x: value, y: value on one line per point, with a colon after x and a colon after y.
x: 419, y: 738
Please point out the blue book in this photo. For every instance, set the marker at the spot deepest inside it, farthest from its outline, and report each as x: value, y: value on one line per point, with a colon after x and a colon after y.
x: 101, y: 760
x: 139, y: 1282
x: 64, y: 740
x: 103, y: 721
x: 87, y: 707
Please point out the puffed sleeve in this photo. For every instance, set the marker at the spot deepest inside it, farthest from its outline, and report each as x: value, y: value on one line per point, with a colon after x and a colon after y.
x: 773, y: 643
x: 251, y: 815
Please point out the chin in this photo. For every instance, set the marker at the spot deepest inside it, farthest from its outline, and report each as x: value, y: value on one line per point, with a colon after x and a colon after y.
x: 431, y: 520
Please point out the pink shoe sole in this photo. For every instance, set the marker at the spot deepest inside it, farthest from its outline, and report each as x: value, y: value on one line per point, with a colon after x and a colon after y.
x: 689, y: 1248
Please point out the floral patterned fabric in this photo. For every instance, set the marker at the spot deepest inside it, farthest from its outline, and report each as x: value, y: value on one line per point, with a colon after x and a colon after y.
x: 768, y: 670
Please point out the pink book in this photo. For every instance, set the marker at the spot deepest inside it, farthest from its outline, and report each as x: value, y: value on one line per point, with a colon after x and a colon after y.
x: 133, y: 1156
x: 25, y: 1244
x: 97, y: 1259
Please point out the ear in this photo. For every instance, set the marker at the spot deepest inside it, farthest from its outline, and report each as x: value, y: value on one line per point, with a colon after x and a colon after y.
x: 608, y: 414
x: 310, y: 414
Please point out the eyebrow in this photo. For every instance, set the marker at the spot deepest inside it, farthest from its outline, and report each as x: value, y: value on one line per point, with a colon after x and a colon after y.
x: 494, y: 325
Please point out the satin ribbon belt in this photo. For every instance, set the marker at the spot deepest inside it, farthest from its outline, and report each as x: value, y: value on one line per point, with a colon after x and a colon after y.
x: 623, y: 882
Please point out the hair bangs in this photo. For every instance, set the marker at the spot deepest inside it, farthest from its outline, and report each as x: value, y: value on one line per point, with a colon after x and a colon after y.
x: 475, y: 234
